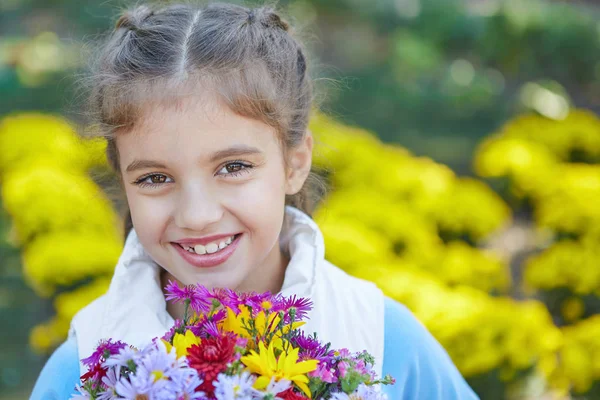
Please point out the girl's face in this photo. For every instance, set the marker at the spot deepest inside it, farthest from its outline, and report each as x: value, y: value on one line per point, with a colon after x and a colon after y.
x: 206, y: 189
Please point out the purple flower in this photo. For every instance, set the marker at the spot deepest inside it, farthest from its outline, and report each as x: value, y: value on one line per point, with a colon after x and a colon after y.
x: 171, y: 332
x: 300, y: 306
x: 105, y: 349
x: 311, y: 348
x: 255, y: 300
x: 110, y: 381
x: 206, y: 326
x: 198, y: 296
x: 227, y: 298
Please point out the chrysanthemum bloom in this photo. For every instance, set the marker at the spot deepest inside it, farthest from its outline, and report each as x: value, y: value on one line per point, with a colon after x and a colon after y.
x: 290, y: 394
x: 210, y: 358
x: 286, y: 367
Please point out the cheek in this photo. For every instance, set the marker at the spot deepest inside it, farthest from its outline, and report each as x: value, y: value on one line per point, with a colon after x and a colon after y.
x: 260, y: 202
x: 149, y: 216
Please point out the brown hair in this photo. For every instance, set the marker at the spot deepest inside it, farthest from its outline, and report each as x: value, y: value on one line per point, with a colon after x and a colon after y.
x: 249, y: 57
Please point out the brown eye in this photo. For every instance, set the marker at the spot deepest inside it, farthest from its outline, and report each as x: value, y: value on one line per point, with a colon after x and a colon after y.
x: 153, y: 180
x: 158, y: 179
x: 234, y: 167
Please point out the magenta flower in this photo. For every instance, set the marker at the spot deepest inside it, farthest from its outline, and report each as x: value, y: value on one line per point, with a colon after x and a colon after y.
x: 206, y: 326
x: 199, y: 299
x: 227, y: 298
x: 300, y: 306
x: 105, y: 349
x: 311, y: 348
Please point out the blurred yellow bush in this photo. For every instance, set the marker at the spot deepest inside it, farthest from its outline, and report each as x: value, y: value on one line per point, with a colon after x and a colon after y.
x: 67, y: 228
x: 405, y: 222
x: 413, y: 227
x: 555, y: 166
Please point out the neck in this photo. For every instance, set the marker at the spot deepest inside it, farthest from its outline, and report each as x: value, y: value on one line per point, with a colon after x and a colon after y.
x: 266, y: 278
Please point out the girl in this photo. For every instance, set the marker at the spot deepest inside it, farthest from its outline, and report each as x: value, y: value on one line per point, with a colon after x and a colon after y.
x: 205, y: 110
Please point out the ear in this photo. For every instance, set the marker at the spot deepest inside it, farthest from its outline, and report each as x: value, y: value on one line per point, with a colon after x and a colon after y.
x: 299, y: 163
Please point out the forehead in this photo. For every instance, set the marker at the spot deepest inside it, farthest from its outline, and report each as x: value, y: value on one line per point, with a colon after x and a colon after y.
x: 196, y: 125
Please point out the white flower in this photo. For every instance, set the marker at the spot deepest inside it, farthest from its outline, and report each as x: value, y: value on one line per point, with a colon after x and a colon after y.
x: 125, y: 355
x: 234, y: 387
x: 81, y: 394
x: 110, y: 380
x: 366, y: 392
x: 362, y: 392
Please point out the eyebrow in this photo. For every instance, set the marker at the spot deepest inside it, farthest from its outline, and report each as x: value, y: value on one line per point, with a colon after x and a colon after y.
x: 233, y: 151
x: 143, y: 164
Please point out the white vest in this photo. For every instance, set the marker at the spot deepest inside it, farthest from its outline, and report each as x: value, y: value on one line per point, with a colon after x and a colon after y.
x: 348, y: 312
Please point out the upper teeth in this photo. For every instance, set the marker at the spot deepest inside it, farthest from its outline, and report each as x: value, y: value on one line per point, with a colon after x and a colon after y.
x: 210, y: 248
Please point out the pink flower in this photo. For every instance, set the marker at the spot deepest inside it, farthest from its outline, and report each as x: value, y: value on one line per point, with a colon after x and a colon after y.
x: 323, y: 372
x: 343, y: 368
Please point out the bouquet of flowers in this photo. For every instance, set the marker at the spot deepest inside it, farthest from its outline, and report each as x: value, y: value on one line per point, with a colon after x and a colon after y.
x: 230, y: 346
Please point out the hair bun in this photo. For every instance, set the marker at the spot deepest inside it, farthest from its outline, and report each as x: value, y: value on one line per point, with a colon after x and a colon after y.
x: 274, y: 20
x: 268, y: 18
x: 133, y: 19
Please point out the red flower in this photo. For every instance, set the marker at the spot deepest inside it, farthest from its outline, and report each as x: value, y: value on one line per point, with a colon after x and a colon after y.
x: 96, y: 373
x: 210, y: 358
x: 290, y: 394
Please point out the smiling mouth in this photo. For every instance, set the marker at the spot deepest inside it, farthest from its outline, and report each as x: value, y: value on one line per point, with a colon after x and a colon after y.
x: 209, y: 248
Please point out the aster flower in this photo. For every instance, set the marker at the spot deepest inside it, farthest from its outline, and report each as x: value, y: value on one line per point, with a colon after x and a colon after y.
x: 367, y: 392
x: 196, y: 295
x: 156, y: 375
x: 168, y: 337
x: 234, y: 387
x: 123, y: 358
x: 110, y: 382
x: 105, y: 349
x: 206, y: 325
x: 134, y: 386
x: 227, y: 297
x: 257, y: 301
x: 81, y: 394
x: 300, y: 307
x: 311, y: 348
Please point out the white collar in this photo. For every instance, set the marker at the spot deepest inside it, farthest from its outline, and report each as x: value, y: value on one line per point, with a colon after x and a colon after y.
x: 134, y: 308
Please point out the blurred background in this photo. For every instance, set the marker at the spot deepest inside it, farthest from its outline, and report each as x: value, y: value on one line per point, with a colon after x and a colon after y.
x: 461, y: 142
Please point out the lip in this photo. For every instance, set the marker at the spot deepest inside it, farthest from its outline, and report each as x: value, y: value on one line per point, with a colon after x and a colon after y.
x: 207, y: 260
x: 205, y: 240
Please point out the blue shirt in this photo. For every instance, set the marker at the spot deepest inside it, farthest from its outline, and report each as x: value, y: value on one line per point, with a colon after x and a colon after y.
x: 422, y: 368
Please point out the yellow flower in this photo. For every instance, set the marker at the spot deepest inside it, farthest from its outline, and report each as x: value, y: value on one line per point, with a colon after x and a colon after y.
x: 264, y: 323
x: 286, y: 367
x: 182, y: 343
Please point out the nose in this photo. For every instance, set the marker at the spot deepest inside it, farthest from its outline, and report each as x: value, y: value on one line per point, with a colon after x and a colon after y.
x: 197, y: 209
